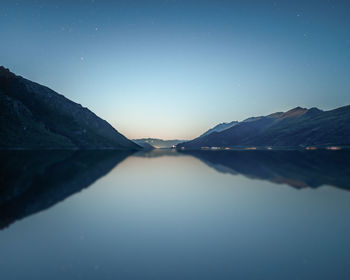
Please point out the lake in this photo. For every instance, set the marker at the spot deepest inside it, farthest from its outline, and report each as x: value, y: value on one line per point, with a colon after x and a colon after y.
x: 175, y: 215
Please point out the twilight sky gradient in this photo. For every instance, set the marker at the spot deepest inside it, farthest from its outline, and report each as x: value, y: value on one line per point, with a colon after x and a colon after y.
x: 172, y: 69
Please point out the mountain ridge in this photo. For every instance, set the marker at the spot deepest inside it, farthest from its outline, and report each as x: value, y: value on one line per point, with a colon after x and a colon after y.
x: 296, y: 127
x: 219, y: 127
x: 36, y: 117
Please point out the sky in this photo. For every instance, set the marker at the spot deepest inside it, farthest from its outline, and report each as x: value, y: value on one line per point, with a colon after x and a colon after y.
x: 173, y: 69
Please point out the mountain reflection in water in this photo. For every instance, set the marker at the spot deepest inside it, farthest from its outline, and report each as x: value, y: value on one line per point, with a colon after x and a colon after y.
x: 34, y: 181
x: 297, y: 169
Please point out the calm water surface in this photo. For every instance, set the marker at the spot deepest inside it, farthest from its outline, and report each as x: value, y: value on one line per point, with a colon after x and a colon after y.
x: 167, y: 215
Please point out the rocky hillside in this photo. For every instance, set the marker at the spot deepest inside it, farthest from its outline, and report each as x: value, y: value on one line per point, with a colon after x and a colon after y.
x: 35, y: 117
x: 294, y: 128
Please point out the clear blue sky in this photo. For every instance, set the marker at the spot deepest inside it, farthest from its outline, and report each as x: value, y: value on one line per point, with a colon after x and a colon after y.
x: 172, y: 69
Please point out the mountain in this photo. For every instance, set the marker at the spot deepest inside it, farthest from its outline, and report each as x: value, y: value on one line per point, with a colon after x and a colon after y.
x: 220, y: 127
x: 144, y: 144
x: 35, y: 117
x: 157, y: 143
x: 294, y: 128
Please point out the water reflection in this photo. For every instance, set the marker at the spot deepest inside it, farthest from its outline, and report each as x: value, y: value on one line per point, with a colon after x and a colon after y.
x: 32, y: 181
x: 166, y: 215
x: 298, y: 169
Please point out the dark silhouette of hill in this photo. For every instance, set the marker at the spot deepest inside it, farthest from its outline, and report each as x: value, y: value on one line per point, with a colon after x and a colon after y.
x: 295, y: 128
x: 35, y: 117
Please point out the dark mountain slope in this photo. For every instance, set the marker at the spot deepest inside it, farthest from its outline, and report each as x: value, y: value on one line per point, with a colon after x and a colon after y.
x: 297, y: 127
x: 34, y: 116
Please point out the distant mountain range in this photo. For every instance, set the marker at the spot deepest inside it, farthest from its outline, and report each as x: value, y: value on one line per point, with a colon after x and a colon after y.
x: 35, y: 117
x: 298, y: 127
x: 154, y: 143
